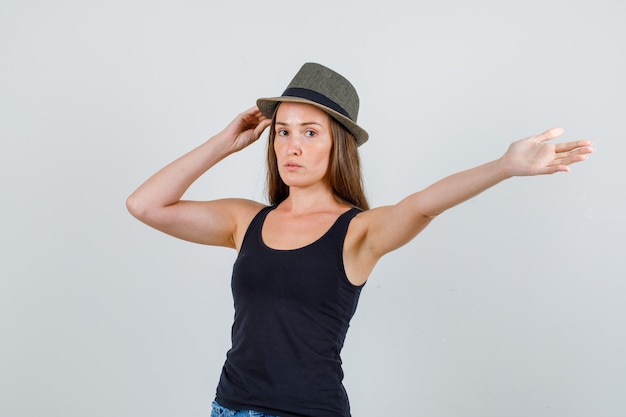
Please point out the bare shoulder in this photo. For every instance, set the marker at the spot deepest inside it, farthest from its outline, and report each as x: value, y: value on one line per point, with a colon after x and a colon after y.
x: 374, y: 233
x: 240, y: 206
x: 363, y: 225
x: 384, y: 229
x: 366, y: 220
x: 240, y: 213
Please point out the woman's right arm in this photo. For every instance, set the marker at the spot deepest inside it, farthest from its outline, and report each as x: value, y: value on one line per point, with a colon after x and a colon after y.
x: 157, y: 202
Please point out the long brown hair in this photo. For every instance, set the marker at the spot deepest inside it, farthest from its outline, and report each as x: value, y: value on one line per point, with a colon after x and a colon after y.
x: 344, y: 169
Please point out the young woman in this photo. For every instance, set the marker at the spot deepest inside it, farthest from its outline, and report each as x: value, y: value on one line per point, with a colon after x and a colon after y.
x: 303, y: 259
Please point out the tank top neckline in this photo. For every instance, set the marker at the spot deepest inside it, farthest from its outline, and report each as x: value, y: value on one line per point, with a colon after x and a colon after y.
x: 259, y: 234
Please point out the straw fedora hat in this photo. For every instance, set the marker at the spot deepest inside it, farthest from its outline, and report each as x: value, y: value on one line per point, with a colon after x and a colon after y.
x: 324, y: 88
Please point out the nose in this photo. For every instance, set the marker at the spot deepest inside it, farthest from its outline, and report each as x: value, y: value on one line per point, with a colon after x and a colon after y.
x: 293, y: 146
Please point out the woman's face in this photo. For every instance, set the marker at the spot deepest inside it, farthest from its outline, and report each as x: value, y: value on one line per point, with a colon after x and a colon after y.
x: 302, y: 143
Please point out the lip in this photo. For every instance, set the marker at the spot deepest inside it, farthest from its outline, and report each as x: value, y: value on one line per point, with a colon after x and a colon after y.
x: 290, y: 166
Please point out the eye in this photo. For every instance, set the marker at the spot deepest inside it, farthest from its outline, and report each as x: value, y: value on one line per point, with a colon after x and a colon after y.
x: 281, y: 132
x: 310, y: 133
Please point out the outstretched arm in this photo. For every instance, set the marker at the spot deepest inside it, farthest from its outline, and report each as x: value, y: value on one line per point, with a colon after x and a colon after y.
x: 157, y: 202
x: 391, y: 227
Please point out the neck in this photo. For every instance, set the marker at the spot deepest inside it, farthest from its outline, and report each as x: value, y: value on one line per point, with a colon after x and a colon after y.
x: 307, y: 200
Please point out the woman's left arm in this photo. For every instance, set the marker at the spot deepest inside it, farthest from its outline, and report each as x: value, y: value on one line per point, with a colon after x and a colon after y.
x: 390, y: 227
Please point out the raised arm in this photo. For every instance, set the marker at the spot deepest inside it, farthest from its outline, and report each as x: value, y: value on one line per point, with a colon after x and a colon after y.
x: 157, y: 202
x: 388, y: 228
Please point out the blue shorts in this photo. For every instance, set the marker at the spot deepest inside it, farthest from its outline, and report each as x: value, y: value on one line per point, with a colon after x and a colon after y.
x: 219, y: 411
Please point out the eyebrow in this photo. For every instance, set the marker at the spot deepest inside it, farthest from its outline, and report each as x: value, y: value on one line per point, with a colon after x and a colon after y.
x: 300, y: 124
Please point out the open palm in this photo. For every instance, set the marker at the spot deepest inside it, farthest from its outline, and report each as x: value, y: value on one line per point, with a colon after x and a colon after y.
x: 535, y: 156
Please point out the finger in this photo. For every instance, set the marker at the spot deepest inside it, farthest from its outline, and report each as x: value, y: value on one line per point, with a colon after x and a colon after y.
x: 550, y: 134
x: 263, y: 124
x: 569, y: 160
x: 252, y: 114
x: 248, y: 113
x: 251, y: 118
x: 576, y: 155
x: 570, y: 146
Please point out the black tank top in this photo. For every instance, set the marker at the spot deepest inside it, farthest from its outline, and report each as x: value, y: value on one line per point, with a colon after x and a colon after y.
x: 292, y: 312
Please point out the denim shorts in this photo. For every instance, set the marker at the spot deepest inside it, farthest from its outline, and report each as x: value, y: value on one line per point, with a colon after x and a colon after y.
x: 219, y: 411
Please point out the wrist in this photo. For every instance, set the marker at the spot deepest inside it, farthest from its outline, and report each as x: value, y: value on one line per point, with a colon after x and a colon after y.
x: 223, y: 143
x: 503, y: 168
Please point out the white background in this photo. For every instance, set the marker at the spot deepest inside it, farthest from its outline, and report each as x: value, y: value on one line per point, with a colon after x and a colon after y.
x: 511, y: 304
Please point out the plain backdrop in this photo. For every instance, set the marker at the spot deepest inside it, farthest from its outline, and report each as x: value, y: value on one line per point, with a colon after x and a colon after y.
x: 511, y: 304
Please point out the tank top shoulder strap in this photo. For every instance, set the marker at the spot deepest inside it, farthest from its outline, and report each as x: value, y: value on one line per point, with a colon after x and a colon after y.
x: 256, y: 224
x: 343, y: 221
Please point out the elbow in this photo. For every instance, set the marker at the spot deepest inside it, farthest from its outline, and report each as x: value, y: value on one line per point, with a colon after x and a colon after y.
x: 136, y: 207
x: 145, y: 210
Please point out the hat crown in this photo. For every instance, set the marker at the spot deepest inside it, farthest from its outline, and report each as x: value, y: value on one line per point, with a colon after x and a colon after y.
x: 332, y: 86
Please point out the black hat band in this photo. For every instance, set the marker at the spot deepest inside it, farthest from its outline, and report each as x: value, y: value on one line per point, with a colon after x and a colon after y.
x: 315, y: 97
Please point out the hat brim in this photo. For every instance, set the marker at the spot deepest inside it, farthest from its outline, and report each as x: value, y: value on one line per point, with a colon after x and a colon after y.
x: 267, y: 106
